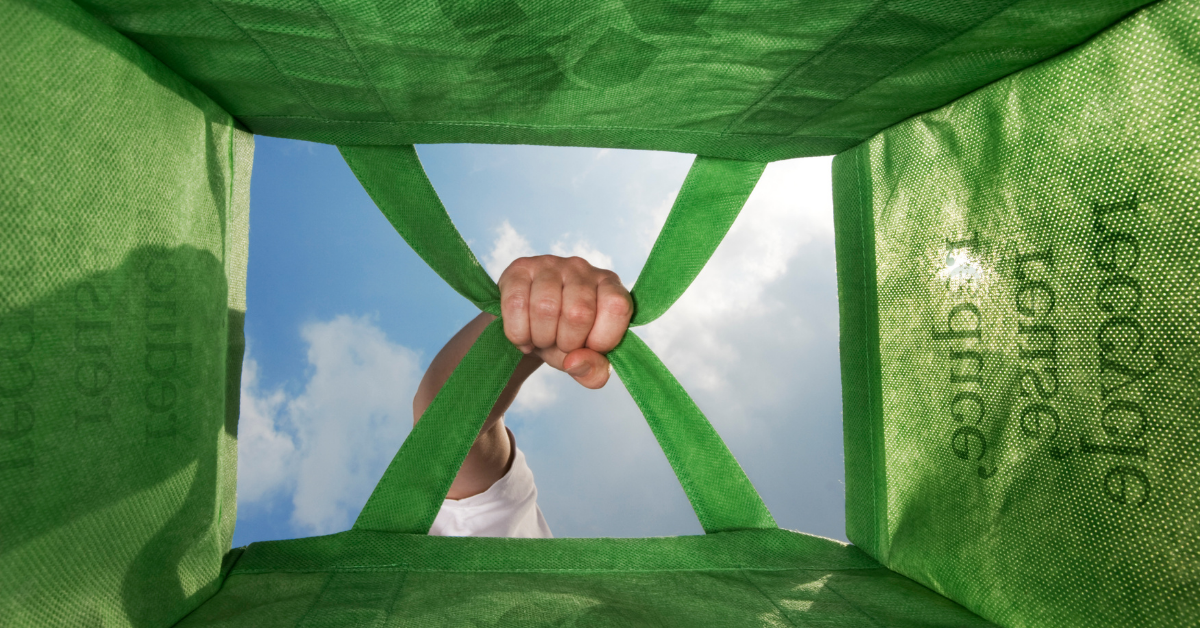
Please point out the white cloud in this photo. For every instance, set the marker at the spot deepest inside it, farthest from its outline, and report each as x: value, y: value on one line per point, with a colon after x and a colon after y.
x: 329, y: 444
x: 266, y: 452
x: 582, y: 248
x: 647, y: 235
x: 508, y: 246
x: 789, y: 209
x: 538, y: 392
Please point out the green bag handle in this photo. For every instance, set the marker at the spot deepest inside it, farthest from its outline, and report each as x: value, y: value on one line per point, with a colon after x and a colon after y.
x: 410, y: 493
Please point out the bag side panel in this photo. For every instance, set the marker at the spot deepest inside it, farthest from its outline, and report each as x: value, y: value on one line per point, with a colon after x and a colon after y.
x: 1037, y: 270
x: 122, y: 292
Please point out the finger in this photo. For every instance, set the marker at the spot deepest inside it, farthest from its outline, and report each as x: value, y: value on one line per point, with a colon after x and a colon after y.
x: 587, y: 367
x: 545, y: 302
x: 614, y: 307
x: 552, y: 357
x: 578, y: 311
x: 515, y: 285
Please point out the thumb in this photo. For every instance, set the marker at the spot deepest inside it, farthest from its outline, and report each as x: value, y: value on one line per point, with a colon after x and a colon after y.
x: 588, y: 367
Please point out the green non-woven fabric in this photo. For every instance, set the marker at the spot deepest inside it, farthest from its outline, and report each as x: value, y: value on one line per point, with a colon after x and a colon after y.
x: 388, y: 572
x: 746, y: 578
x: 123, y: 252
x: 1021, y: 337
x: 757, y: 80
x: 1069, y: 185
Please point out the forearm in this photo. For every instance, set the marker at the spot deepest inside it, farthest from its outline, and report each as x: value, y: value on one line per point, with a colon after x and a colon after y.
x: 558, y: 311
x: 491, y: 454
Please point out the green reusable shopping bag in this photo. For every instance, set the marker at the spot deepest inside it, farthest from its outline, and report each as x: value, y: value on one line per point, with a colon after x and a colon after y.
x: 386, y: 571
x: 125, y: 180
x: 1020, y: 290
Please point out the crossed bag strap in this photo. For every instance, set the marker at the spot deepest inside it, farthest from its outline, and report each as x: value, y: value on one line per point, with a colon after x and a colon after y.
x: 410, y: 493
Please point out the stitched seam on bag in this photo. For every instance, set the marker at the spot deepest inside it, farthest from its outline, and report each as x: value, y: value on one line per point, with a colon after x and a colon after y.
x: 862, y: 228
x: 316, y: 599
x: 401, y: 583
x: 228, y: 208
x: 868, y: 268
x: 354, y: 54
x: 270, y: 61
x: 846, y: 32
x: 402, y: 568
x: 828, y: 586
x: 875, y: 373
x: 778, y: 608
x: 796, y: 68
x: 918, y: 58
x: 770, y: 139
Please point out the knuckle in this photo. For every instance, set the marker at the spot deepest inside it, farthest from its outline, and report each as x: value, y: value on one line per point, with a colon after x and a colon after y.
x: 546, y: 308
x: 616, y: 305
x: 514, y: 301
x: 519, y: 264
x: 580, y: 315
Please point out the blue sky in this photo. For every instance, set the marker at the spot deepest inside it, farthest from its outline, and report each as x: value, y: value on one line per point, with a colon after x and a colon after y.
x: 343, y: 318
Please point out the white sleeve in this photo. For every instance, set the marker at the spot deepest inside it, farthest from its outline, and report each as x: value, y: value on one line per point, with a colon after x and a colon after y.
x: 509, y: 508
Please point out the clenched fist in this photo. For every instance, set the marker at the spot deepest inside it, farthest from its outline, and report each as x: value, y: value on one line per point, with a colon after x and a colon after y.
x: 566, y: 312
x: 561, y: 311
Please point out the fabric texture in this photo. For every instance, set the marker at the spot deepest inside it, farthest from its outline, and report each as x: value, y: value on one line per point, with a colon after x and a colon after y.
x: 1021, y: 338
x: 123, y: 247
x: 734, y: 579
x: 508, y: 508
x: 757, y: 80
x: 1016, y: 240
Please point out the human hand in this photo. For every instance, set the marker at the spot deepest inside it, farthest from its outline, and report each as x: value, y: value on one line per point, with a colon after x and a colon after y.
x: 566, y: 312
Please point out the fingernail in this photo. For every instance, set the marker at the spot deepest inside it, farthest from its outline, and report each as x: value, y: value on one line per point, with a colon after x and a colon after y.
x: 580, y: 370
x: 526, y: 349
